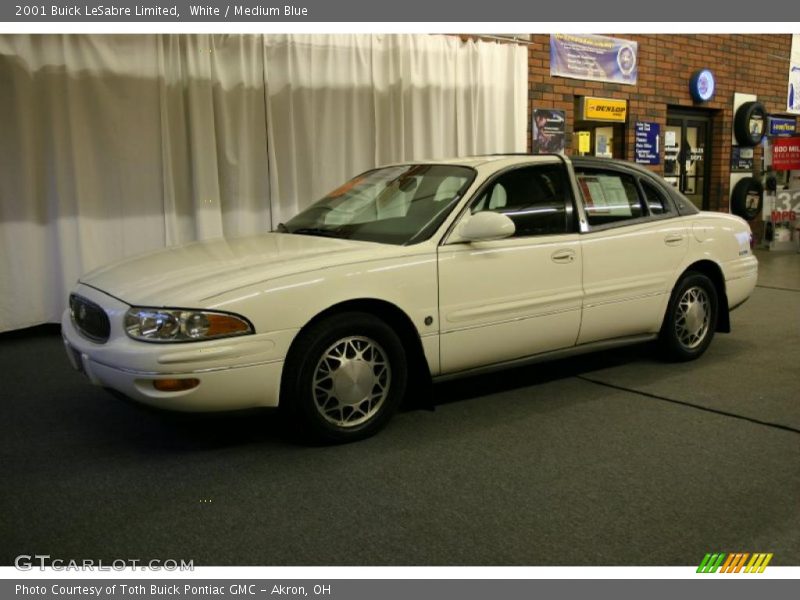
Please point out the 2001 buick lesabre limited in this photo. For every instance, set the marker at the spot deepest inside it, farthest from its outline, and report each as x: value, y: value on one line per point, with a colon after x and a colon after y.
x: 408, y: 272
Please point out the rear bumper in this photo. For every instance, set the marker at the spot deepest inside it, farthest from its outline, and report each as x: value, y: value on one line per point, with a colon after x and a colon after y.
x: 740, y: 280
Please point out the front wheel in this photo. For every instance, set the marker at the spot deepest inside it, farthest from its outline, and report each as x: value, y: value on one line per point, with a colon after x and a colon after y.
x: 345, y: 377
x: 691, y: 318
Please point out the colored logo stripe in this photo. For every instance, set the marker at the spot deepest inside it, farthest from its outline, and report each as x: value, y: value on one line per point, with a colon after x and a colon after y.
x: 759, y: 561
x: 710, y: 563
x: 734, y: 562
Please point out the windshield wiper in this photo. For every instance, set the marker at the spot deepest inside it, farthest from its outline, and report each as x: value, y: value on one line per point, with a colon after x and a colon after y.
x: 316, y: 231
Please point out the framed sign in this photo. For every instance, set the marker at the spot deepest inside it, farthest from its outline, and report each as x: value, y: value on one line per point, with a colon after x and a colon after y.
x: 741, y: 159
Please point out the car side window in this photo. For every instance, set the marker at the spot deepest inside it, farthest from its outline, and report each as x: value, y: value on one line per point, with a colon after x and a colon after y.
x: 535, y: 198
x: 609, y: 196
x: 656, y: 201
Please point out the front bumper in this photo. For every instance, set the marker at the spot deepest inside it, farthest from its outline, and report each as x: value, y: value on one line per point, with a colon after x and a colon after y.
x: 233, y: 373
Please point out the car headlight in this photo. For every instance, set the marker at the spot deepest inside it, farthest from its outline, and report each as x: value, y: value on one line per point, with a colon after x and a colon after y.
x: 181, y: 325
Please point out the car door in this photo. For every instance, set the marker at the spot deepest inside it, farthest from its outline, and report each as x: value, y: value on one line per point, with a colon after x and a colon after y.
x: 631, y: 252
x: 506, y: 299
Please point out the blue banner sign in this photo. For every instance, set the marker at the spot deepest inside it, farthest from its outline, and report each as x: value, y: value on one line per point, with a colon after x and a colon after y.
x: 781, y: 126
x: 646, y: 146
x: 594, y: 57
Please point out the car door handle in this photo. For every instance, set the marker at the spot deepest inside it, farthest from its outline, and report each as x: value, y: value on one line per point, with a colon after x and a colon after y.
x: 673, y: 239
x: 563, y: 256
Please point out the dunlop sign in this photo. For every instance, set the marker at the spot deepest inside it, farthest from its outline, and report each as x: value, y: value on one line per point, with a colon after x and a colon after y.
x: 603, y: 109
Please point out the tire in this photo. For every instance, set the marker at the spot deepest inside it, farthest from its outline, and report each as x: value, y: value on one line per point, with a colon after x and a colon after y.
x: 691, y: 318
x: 741, y: 123
x: 344, y: 378
x: 743, y: 189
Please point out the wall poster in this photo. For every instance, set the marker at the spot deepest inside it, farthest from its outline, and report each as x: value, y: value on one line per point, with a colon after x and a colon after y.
x: 548, y: 130
x: 594, y: 57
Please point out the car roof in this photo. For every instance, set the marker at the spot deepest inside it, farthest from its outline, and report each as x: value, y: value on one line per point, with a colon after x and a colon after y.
x: 500, y: 161
x: 484, y: 159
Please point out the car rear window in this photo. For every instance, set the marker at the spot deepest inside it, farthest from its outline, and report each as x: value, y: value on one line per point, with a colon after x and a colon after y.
x: 656, y: 202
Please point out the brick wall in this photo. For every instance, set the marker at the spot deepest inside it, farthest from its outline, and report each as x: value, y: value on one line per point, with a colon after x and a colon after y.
x: 752, y: 64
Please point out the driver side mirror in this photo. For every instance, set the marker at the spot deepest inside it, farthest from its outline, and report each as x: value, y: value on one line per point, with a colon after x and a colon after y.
x: 485, y: 226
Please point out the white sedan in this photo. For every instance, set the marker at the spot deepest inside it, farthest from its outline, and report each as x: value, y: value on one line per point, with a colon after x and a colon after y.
x: 412, y: 272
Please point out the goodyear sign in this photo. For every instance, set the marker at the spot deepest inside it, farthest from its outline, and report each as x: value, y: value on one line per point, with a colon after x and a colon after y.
x: 781, y: 126
x: 603, y: 109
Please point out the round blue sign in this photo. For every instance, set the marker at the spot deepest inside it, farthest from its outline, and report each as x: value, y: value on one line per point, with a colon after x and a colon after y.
x: 702, y: 85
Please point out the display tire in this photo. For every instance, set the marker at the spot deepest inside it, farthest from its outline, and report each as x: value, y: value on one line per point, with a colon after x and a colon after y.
x: 741, y: 123
x: 739, y: 195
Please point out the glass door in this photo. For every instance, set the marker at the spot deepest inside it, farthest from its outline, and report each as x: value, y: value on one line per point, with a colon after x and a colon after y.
x: 687, y: 151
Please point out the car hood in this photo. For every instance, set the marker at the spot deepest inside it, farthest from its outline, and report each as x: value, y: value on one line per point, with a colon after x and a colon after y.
x: 190, y: 274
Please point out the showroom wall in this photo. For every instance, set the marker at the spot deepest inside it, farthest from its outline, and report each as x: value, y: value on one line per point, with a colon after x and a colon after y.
x: 114, y: 145
x: 753, y: 64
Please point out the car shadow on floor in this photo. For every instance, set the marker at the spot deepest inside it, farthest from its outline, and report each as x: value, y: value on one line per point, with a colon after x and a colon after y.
x: 159, y: 430
x: 83, y: 420
x: 214, y: 430
x: 476, y: 386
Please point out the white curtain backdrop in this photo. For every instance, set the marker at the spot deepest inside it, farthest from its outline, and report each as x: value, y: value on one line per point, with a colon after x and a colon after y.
x: 114, y: 145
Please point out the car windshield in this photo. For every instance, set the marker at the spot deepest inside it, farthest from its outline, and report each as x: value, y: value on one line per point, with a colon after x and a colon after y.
x: 394, y: 205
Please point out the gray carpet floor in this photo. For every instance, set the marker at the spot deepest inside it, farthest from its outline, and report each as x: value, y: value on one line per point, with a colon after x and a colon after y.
x: 606, y: 459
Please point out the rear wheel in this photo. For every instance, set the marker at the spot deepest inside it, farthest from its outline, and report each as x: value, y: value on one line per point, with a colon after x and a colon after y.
x: 691, y: 318
x: 345, y: 377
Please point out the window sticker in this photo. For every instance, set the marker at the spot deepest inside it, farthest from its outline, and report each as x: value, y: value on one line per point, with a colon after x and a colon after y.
x: 605, y: 194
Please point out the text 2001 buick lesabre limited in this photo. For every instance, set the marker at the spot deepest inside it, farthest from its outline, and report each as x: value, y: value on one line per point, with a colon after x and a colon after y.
x: 412, y: 271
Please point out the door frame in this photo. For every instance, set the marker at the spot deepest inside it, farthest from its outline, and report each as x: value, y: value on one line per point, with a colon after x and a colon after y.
x: 682, y: 117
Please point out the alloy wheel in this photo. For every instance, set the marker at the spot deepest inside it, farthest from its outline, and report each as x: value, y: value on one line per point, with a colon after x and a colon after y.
x: 693, y: 317
x: 351, y: 381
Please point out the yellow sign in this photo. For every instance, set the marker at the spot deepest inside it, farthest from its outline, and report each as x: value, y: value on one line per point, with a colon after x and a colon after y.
x: 604, y: 109
x: 584, y: 142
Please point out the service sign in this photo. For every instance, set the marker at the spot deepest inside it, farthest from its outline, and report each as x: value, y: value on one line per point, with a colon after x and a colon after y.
x: 594, y: 58
x: 786, y: 154
x: 646, y: 147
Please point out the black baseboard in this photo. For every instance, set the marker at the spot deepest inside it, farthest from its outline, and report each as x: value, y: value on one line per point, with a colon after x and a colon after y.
x: 48, y: 329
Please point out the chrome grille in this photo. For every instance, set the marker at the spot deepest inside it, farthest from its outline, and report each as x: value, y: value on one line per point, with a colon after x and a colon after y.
x: 89, y: 319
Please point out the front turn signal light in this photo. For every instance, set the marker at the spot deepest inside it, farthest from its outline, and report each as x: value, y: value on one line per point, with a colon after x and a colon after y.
x: 175, y: 385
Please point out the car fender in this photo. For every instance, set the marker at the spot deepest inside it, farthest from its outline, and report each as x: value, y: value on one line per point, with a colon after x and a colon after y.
x: 290, y: 302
